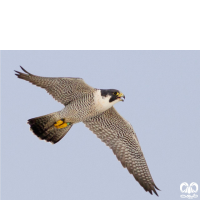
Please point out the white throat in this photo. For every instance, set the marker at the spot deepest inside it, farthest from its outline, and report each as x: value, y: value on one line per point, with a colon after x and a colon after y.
x: 102, y: 103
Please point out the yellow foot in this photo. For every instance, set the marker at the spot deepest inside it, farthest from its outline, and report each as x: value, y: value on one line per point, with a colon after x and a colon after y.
x: 61, y: 124
x: 58, y: 123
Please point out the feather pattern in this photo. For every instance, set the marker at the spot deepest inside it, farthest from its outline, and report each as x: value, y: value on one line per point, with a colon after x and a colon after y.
x: 64, y: 90
x: 94, y: 108
x: 119, y: 135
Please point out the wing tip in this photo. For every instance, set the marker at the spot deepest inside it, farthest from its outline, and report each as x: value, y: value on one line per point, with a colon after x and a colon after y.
x: 151, y: 188
x: 25, y: 70
x: 154, y: 190
x: 18, y: 74
x: 157, y: 187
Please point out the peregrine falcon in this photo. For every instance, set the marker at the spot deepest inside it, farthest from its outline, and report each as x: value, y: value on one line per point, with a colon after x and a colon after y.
x: 93, y: 107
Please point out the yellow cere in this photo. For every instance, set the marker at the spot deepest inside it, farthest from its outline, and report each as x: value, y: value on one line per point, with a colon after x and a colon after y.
x: 120, y: 95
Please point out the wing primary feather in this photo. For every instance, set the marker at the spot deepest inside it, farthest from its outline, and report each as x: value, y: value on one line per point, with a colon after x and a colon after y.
x: 25, y: 71
x: 156, y: 187
x: 155, y: 191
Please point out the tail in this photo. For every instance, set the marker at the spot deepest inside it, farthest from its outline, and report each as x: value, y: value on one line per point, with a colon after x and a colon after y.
x: 44, y: 128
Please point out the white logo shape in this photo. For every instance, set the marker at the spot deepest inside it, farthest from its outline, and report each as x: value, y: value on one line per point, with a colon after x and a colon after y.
x: 192, y: 188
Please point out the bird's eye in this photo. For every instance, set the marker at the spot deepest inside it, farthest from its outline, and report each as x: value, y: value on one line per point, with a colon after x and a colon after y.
x: 116, y: 93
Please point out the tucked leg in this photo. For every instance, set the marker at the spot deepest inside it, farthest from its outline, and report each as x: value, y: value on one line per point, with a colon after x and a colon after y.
x: 61, y: 124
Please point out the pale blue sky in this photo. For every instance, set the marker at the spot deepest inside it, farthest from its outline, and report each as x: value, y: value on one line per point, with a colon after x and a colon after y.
x: 162, y: 103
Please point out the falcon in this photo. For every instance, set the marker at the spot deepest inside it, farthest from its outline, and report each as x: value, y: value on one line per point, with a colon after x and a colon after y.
x: 93, y: 107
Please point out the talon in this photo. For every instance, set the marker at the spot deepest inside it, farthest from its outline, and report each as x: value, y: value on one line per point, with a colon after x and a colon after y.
x: 62, y: 125
x: 58, y: 123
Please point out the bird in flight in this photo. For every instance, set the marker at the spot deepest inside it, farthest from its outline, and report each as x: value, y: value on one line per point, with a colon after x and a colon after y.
x: 93, y: 107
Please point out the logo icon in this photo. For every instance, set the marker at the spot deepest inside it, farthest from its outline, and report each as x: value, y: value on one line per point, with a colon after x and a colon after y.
x: 190, y: 189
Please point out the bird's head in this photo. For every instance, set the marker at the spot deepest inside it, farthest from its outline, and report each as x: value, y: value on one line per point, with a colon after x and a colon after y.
x: 113, y: 95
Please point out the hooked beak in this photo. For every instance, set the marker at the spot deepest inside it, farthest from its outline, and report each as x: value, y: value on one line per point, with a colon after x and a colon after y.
x: 121, y: 96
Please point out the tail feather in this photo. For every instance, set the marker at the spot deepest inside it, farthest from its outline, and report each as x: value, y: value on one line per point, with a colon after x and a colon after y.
x: 43, y: 127
x: 55, y: 135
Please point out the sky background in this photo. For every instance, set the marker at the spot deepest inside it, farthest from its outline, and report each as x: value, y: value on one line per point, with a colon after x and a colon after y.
x: 162, y: 91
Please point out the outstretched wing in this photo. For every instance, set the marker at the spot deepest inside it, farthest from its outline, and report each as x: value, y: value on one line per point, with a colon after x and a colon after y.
x: 119, y: 135
x: 63, y: 90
